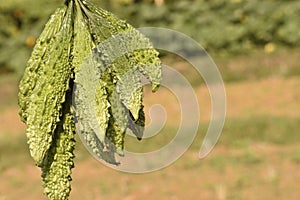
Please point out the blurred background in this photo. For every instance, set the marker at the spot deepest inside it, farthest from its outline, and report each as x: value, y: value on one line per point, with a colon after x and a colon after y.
x: 256, y: 46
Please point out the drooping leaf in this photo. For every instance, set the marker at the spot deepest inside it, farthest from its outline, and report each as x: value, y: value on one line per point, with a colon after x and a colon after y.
x: 38, y: 60
x: 41, y: 98
x: 91, y: 105
x: 108, y: 84
x: 137, y: 126
x: 83, y: 44
x: 57, y: 165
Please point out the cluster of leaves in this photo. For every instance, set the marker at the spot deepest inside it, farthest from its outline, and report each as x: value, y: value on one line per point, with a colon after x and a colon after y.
x: 232, y: 26
x: 84, y: 45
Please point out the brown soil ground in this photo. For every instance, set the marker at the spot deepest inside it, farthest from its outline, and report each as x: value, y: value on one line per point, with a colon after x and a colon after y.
x: 261, y: 171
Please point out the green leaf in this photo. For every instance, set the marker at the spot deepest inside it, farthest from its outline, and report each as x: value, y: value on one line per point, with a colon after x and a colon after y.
x: 57, y: 165
x: 49, y: 72
x: 38, y: 60
x: 83, y: 43
x: 137, y: 125
x: 108, y: 84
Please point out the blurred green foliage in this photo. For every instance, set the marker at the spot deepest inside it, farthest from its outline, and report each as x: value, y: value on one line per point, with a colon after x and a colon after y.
x: 233, y: 26
x: 21, y: 23
x: 220, y: 26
